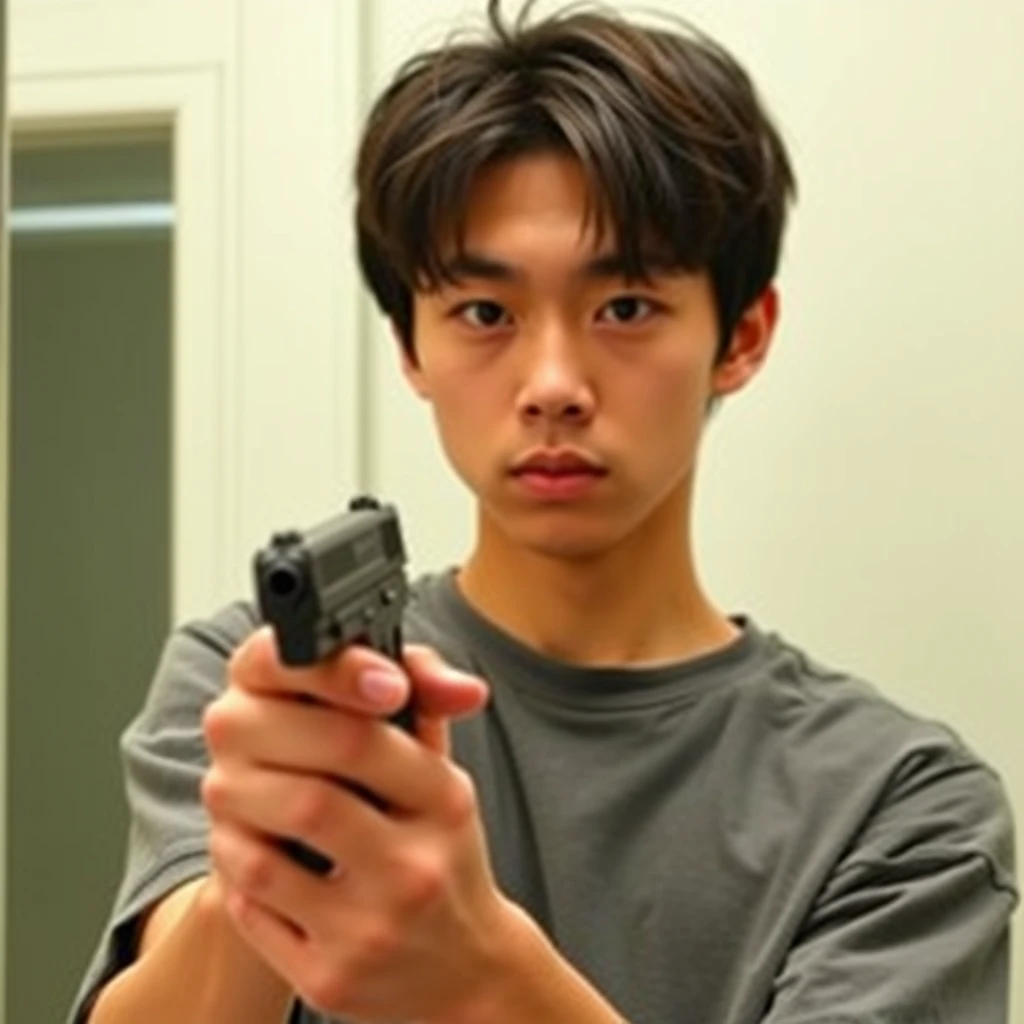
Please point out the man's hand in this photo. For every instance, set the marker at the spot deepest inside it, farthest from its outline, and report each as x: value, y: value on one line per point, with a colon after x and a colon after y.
x: 410, y: 924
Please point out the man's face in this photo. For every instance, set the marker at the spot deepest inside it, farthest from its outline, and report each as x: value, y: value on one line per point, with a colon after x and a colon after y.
x: 568, y: 399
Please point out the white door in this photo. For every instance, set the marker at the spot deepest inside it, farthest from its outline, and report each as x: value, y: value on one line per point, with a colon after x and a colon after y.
x: 185, y: 374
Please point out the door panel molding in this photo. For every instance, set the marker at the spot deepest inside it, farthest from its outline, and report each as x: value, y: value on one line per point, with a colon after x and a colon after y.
x: 203, y: 389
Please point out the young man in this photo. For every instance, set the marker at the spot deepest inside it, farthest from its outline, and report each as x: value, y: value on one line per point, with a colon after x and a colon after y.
x: 621, y: 803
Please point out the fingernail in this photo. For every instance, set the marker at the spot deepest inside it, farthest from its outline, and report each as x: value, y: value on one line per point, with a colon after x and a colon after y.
x: 381, y: 686
x: 459, y: 678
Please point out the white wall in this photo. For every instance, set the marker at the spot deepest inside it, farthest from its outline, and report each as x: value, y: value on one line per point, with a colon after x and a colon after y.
x: 403, y: 460
x: 863, y: 496
x: 867, y: 496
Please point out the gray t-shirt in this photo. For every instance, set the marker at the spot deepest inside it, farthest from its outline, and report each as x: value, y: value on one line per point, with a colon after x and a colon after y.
x: 747, y: 837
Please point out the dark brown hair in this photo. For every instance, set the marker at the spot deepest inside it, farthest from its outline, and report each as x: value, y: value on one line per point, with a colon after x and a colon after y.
x: 682, y: 161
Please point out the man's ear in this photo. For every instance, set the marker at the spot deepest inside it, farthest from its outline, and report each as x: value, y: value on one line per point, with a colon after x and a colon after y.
x: 749, y: 345
x: 410, y: 367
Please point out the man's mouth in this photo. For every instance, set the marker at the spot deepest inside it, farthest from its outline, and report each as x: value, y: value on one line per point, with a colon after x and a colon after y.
x: 558, y: 462
x: 558, y: 475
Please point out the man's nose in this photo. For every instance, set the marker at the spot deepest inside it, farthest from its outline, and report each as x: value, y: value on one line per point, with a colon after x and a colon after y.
x: 556, y: 383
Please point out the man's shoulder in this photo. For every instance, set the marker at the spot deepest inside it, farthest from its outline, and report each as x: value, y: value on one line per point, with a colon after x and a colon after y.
x: 203, y: 643
x: 230, y: 624
x: 859, y: 761
x: 223, y: 630
x: 808, y: 697
x: 850, y: 730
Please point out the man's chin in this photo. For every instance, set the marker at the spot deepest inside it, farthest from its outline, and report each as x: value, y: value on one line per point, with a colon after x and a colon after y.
x: 566, y: 543
x: 565, y: 533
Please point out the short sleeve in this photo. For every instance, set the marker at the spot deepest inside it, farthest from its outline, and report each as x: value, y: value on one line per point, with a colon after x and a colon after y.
x: 913, y: 925
x: 164, y: 758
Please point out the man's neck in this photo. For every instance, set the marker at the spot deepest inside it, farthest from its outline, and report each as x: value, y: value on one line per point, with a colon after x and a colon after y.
x: 638, y: 604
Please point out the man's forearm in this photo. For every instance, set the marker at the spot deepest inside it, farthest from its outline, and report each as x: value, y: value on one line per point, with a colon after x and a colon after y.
x: 202, y: 971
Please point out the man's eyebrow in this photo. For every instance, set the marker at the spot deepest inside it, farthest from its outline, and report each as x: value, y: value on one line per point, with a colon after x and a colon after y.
x: 475, y: 264
x: 616, y: 265
x: 472, y: 264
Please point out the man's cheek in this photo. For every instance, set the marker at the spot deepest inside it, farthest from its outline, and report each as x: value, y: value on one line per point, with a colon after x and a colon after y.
x: 463, y: 439
x: 680, y: 398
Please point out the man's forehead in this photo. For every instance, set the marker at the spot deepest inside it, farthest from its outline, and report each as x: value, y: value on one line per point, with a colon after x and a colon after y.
x: 481, y: 237
x: 552, y: 187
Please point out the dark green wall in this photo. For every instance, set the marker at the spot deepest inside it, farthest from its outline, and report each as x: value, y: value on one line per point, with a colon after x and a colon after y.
x: 89, y: 601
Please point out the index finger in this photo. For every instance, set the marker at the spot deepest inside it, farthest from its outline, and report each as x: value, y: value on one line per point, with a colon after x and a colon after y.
x: 256, y: 667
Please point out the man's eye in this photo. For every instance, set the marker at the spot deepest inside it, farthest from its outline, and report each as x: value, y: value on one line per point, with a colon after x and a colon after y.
x: 482, y: 313
x: 626, y: 309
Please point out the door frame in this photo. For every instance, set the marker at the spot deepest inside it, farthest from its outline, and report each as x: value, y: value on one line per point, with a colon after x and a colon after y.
x: 190, y: 103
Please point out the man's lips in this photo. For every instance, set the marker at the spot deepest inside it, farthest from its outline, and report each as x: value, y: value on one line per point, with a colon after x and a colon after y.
x: 558, y: 463
x: 558, y: 475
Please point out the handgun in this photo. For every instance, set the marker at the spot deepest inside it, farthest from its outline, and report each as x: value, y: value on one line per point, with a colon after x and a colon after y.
x: 342, y: 582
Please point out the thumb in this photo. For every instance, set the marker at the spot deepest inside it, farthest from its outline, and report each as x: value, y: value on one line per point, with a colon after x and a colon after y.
x: 438, y: 688
x: 439, y: 694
